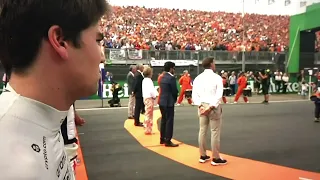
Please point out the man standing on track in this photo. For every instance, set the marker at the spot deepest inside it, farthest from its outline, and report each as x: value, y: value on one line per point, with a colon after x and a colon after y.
x: 168, y: 97
x: 242, y: 84
x: 137, y: 93
x: 58, y: 64
x: 206, y: 94
x: 130, y: 81
x: 185, y: 82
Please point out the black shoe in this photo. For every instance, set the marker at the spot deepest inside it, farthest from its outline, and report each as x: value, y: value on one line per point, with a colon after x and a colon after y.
x: 218, y: 162
x: 316, y: 120
x: 139, y: 125
x: 171, y: 144
x: 162, y: 141
x: 265, y: 102
x: 204, y: 159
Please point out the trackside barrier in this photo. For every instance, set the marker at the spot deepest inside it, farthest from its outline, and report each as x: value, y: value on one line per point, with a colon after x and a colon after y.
x: 106, y: 92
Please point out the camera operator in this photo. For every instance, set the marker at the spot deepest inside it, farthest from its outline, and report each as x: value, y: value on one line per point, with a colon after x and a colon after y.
x: 265, y: 83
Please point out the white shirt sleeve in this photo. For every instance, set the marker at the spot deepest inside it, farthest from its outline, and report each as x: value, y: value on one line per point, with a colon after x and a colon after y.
x: 195, y: 92
x: 219, y: 92
x: 153, y: 92
x: 4, y: 78
x: 148, y: 89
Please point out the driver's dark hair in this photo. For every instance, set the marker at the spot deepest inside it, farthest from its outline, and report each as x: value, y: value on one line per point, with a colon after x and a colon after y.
x: 24, y: 24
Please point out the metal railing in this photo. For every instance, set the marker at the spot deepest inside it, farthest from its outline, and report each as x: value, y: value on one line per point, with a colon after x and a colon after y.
x: 121, y: 55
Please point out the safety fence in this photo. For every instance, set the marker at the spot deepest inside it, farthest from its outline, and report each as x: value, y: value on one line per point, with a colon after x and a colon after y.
x: 106, y: 95
x: 123, y: 56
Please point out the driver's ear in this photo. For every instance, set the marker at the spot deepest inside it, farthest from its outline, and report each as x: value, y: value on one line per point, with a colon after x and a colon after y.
x: 56, y: 40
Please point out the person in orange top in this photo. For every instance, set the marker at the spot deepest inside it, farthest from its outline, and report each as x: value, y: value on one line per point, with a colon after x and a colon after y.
x: 159, y: 80
x: 242, y: 84
x: 185, y: 82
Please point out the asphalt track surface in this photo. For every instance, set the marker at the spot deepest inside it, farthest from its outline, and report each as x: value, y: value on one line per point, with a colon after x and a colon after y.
x: 279, y: 133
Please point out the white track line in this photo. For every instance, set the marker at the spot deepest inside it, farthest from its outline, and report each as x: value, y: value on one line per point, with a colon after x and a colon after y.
x: 302, y: 178
x: 117, y: 108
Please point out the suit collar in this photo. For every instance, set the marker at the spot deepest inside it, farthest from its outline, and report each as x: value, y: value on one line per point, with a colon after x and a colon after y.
x: 141, y: 73
x: 170, y: 74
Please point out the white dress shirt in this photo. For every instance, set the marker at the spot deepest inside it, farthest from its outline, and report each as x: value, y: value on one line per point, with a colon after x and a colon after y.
x: 285, y: 79
x: 31, y: 143
x: 4, y: 78
x: 207, y: 88
x: 278, y: 78
x: 148, y: 89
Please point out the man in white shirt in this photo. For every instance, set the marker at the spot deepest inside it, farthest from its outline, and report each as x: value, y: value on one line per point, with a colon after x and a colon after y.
x: 58, y: 65
x: 206, y: 94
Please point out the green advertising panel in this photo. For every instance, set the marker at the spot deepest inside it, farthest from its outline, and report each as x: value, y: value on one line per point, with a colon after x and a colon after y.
x: 298, y: 23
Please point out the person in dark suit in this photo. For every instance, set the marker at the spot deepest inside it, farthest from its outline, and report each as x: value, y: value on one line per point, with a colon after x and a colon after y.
x: 167, y: 100
x: 130, y: 81
x: 137, y: 93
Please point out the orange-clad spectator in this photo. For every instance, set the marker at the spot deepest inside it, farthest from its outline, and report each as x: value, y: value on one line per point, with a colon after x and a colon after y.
x: 185, y: 83
x: 217, y: 29
x: 242, y: 84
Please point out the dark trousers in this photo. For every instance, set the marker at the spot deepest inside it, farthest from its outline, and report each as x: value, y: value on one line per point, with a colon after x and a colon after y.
x: 284, y: 88
x: 137, y: 109
x: 166, y: 129
x: 278, y: 86
x: 317, y: 111
x: 233, y: 89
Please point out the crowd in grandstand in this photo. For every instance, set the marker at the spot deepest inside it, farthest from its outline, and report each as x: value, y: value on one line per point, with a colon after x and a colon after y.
x: 174, y: 29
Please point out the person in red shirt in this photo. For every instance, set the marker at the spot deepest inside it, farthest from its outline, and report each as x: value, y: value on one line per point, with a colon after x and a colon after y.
x: 185, y: 82
x: 242, y: 84
x: 159, y: 80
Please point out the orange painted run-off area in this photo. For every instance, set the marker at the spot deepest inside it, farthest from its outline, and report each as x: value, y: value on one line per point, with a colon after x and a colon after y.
x: 237, y: 168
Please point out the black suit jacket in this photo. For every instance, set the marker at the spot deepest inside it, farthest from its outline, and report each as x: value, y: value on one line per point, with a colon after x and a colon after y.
x: 137, y: 88
x: 169, y: 91
x: 130, y: 81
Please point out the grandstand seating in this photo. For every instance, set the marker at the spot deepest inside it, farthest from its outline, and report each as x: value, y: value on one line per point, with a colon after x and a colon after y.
x: 166, y: 29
